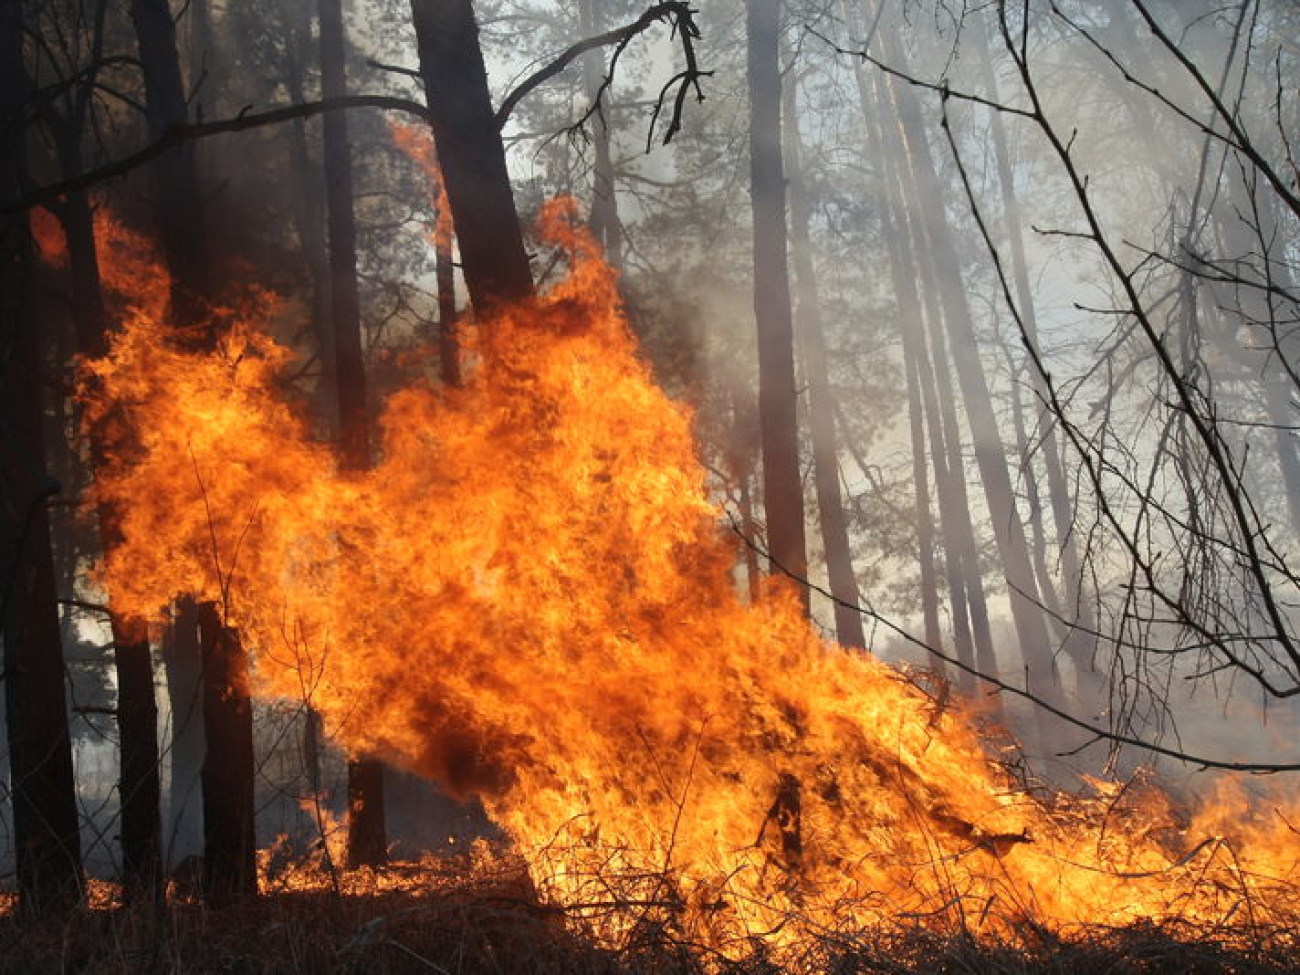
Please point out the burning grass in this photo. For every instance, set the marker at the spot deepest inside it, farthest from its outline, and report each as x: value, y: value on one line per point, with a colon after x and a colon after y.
x: 481, y: 915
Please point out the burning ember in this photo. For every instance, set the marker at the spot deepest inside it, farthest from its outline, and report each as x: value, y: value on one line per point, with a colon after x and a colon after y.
x: 529, y: 599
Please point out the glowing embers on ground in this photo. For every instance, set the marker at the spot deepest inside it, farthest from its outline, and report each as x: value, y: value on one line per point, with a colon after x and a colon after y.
x: 528, y: 598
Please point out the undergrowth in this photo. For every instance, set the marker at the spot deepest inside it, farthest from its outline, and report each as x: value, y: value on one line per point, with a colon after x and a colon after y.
x: 485, y: 926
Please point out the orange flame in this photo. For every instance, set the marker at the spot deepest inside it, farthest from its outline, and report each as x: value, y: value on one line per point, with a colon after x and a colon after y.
x: 529, y: 599
x: 417, y: 143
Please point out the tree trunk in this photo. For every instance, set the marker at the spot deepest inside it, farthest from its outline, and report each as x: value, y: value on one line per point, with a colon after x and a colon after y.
x: 179, y: 197
x: 972, y: 636
x: 229, y: 843
x: 960, y: 543
x: 137, y: 706
x: 1041, y: 676
x: 1076, y: 612
x: 45, y: 823
x: 448, y: 317
x: 309, y: 221
x: 470, y: 153
x: 925, y: 524
x: 183, y: 664
x: 821, y: 403
x: 777, y: 396
x: 965, y: 587
x: 367, y: 836
x: 604, y: 205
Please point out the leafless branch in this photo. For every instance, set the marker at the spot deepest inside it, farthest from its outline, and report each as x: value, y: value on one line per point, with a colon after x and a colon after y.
x: 179, y: 134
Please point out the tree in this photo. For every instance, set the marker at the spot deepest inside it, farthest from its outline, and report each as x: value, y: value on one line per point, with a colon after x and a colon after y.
x: 229, y: 840
x: 46, y: 826
x: 470, y: 153
x: 1041, y: 673
x: 777, y: 398
x: 68, y: 117
x: 367, y: 839
x: 821, y: 402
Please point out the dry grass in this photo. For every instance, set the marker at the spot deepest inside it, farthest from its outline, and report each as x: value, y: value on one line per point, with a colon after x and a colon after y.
x: 413, y: 920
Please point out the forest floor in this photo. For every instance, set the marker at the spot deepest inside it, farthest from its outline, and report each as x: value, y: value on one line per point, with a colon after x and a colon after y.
x: 478, y: 925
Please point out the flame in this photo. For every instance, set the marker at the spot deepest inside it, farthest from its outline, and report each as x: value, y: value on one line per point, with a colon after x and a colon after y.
x: 529, y: 599
x: 416, y: 142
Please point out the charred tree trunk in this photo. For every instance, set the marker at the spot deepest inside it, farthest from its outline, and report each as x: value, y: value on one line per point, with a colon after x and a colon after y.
x: 229, y: 843
x: 367, y: 836
x: 46, y: 840
x: 777, y: 395
x: 471, y: 154
x: 821, y: 401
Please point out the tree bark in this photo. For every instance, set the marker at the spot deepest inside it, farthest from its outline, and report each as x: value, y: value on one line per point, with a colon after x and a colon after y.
x: 471, y: 153
x: 46, y: 840
x: 965, y: 587
x: 308, y: 210
x: 777, y: 396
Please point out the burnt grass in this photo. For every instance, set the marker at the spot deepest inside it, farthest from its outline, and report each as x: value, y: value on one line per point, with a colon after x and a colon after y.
x: 472, y: 928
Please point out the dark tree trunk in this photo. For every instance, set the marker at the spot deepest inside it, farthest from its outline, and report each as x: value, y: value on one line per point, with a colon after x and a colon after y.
x: 821, y: 402
x: 345, y: 307
x: 309, y: 221
x: 470, y: 153
x: 137, y: 705
x: 179, y: 200
x: 777, y: 396
x: 367, y: 837
x: 45, y: 823
x: 229, y: 843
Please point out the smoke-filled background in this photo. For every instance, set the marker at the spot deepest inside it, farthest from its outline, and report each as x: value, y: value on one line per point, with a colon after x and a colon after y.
x: 981, y: 320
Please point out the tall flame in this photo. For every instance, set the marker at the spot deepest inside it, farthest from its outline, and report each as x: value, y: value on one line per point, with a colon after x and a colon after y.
x: 529, y: 599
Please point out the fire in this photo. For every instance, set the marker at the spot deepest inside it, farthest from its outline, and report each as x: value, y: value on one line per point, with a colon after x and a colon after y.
x: 416, y: 142
x: 529, y: 599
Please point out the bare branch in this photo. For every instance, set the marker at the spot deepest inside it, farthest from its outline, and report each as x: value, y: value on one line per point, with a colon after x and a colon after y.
x: 178, y: 134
